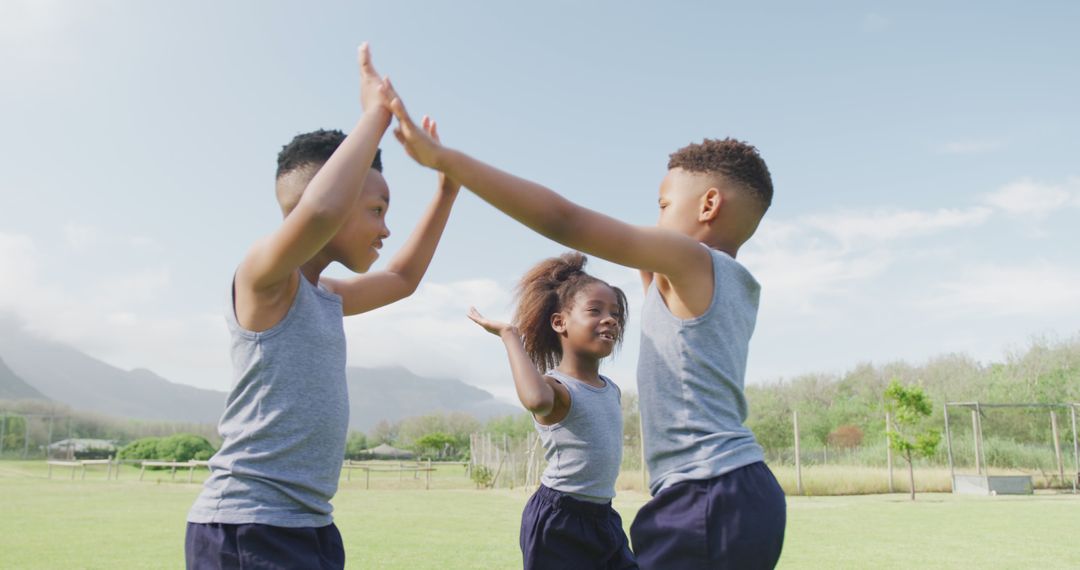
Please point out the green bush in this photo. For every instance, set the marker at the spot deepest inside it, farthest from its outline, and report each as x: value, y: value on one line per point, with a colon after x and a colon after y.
x: 482, y: 476
x: 179, y: 447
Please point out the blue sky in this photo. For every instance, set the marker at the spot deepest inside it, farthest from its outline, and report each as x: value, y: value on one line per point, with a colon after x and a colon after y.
x: 924, y: 158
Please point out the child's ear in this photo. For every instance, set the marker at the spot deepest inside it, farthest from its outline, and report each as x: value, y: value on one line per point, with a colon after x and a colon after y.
x: 558, y: 322
x: 710, y: 205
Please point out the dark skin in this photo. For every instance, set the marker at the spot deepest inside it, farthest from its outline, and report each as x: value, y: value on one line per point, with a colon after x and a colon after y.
x: 695, y: 209
x: 588, y: 329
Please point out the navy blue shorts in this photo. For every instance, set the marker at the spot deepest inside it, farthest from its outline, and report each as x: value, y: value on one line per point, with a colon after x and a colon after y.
x: 561, y: 532
x: 214, y: 546
x: 735, y: 520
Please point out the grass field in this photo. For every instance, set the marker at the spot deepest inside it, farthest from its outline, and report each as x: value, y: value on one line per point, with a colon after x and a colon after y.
x: 59, y: 523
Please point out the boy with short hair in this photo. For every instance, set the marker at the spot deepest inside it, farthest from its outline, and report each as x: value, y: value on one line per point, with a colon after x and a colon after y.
x: 267, y: 501
x: 715, y: 503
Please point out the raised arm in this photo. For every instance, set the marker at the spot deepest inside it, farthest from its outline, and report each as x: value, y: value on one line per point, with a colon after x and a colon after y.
x: 548, y: 213
x: 543, y: 397
x: 326, y: 201
x: 402, y: 275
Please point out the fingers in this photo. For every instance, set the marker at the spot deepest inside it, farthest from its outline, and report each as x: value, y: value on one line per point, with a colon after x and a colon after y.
x: 388, y: 89
x: 363, y: 56
x: 430, y: 128
x: 398, y: 109
x: 476, y: 318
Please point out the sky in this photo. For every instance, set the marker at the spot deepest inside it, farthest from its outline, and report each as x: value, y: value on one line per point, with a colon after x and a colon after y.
x: 924, y: 158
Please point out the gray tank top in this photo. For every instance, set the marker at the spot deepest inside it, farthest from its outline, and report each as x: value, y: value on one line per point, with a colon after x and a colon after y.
x: 285, y: 420
x: 584, y: 450
x: 690, y: 379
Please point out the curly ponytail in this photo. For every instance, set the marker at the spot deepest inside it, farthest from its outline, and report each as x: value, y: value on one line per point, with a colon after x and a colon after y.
x: 549, y: 287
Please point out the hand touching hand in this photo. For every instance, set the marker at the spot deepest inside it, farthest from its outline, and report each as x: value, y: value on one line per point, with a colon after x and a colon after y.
x: 418, y: 143
x: 445, y: 183
x: 497, y: 328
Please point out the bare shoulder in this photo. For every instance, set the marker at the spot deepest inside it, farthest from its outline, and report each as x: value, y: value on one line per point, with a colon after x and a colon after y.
x: 689, y: 293
x: 561, y: 407
x: 258, y: 310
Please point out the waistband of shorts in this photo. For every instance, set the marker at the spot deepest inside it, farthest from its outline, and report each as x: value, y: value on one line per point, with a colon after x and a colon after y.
x: 563, y: 501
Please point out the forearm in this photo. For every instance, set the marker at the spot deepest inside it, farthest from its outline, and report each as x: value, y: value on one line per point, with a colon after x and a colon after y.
x: 535, y: 394
x: 532, y: 204
x: 414, y: 257
x: 337, y: 184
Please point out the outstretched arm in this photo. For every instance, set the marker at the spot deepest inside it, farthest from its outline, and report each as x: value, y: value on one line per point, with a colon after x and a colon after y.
x: 327, y: 199
x: 538, y: 394
x: 403, y: 274
x: 648, y: 248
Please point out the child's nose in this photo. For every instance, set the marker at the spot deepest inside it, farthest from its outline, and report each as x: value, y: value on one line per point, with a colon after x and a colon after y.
x: 385, y: 233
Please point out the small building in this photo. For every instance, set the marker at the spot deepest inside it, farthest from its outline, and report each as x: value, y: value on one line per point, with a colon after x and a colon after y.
x: 385, y: 451
x: 82, y: 448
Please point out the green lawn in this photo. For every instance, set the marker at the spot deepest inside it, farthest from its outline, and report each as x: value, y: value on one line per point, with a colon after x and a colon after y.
x: 95, y: 523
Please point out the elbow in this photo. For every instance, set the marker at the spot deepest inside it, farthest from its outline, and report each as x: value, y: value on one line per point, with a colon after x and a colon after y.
x: 407, y: 283
x: 539, y: 405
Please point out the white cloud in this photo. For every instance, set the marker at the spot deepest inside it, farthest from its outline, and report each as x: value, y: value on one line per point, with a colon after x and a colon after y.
x: 429, y: 334
x: 1026, y: 197
x: 1035, y: 289
x: 858, y: 227
x: 122, y: 318
x: 971, y: 146
x: 821, y: 256
x: 33, y: 32
x: 82, y: 238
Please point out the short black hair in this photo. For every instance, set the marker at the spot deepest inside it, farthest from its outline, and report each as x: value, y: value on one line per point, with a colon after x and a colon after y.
x: 737, y: 160
x: 314, y: 148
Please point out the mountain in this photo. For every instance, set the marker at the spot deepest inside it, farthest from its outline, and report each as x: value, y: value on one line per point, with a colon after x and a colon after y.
x: 394, y: 393
x: 14, y: 388
x: 71, y: 377
x: 62, y: 373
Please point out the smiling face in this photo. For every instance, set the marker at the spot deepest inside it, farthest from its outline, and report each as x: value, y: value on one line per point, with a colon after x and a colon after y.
x: 356, y: 245
x: 590, y: 326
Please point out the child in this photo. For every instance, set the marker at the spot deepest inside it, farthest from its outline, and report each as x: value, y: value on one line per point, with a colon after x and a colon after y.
x: 715, y: 504
x: 267, y: 501
x: 566, y: 322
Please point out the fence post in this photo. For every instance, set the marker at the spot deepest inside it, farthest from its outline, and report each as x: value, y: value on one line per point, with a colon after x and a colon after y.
x: 1076, y: 447
x: 1057, y: 446
x: 798, y: 460
x: 948, y: 443
x: 641, y: 444
x: 975, y: 433
x: 888, y: 451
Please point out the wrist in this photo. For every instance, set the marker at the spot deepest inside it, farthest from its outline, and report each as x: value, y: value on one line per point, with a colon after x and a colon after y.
x: 443, y: 159
x: 510, y: 333
x: 379, y: 113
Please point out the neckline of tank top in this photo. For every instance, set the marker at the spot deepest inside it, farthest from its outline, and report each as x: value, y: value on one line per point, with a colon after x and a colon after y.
x: 562, y: 375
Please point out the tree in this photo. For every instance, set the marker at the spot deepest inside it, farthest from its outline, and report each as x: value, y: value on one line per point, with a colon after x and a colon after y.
x: 909, y: 408
x: 356, y: 445
x: 439, y: 445
x: 385, y: 432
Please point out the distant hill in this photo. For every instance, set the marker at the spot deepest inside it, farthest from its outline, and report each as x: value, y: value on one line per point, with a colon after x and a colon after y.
x: 56, y: 371
x: 14, y: 388
x: 395, y: 393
